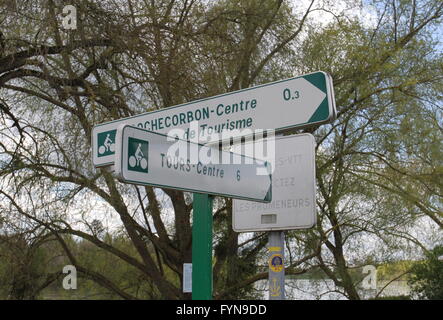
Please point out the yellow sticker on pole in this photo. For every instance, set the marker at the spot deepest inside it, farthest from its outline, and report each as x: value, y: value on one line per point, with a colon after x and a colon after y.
x: 276, y: 262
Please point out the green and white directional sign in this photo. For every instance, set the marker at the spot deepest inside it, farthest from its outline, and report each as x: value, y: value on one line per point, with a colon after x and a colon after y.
x: 149, y: 158
x: 292, y: 103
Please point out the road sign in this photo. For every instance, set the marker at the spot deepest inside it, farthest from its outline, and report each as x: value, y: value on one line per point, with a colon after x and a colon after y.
x: 293, y: 190
x: 150, y: 158
x: 282, y: 105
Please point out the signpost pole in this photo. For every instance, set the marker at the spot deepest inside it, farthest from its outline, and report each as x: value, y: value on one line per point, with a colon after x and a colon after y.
x: 202, y: 247
x: 276, y: 247
x: 276, y: 241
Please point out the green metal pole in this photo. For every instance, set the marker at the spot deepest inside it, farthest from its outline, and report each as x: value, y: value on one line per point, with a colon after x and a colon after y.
x: 202, y: 247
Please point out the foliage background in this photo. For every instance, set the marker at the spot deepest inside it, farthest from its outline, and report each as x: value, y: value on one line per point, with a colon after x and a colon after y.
x: 379, y: 165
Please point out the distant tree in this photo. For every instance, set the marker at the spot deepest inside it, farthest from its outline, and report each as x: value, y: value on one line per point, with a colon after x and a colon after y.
x: 24, y: 268
x: 427, y: 276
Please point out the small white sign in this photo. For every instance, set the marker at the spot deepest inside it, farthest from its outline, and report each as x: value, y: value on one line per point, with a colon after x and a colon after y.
x: 187, y: 277
x: 293, y: 190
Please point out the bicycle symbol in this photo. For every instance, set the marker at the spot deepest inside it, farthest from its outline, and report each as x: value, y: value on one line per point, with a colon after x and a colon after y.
x: 108, y: 145
x: 138, y: 159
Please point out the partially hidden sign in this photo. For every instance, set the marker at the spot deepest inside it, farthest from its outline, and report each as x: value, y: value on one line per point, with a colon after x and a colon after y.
x: 293, y: 203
